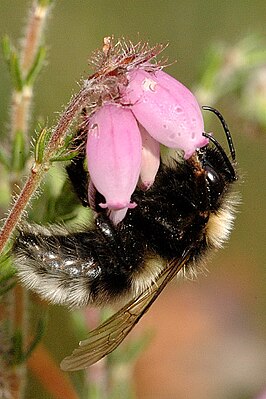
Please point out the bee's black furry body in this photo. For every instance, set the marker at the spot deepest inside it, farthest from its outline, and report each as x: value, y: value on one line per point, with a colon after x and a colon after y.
x: 190, y: 205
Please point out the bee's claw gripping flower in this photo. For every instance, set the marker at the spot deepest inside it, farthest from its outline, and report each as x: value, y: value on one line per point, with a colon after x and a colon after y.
x: 167, y: 109
x: 114, y: 155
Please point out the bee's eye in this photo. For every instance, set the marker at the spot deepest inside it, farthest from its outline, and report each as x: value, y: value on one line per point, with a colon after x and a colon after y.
x: 215, y: 184
x: 212, y: 176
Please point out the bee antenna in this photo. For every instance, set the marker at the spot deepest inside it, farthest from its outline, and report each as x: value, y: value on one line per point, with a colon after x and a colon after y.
x: 222, y: 152
x: 225, y: 127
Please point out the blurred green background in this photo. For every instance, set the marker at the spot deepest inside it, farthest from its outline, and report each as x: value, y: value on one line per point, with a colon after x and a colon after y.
x: 210, y: 334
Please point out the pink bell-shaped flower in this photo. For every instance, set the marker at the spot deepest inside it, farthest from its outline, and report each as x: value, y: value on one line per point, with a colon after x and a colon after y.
x: 150, y: 159
x: 166, y: 109
x: 114, y: 155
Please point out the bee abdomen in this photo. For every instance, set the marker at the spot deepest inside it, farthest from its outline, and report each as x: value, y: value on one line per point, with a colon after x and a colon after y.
x: 51, y: 266
x: 78, y: 269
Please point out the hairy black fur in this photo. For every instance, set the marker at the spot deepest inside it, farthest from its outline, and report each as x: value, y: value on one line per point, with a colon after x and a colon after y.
x: 106, y: 262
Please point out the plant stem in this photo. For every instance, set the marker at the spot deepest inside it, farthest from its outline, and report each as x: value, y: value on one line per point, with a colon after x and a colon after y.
x: 37, y: 20
x: 14, y: 307
x: 21, y: 100
x: 19, y: 206
x: 39, y: 169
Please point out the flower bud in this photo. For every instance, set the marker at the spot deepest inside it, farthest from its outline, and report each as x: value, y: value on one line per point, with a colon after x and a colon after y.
x: 114, y: 155
x: 166, y: 109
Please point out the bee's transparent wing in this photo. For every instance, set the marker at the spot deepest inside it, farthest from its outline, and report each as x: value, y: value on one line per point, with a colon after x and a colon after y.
x: 105, y: 338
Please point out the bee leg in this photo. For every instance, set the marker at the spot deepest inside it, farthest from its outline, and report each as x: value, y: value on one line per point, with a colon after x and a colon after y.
x: 82, y: 185
x: 79, y: 178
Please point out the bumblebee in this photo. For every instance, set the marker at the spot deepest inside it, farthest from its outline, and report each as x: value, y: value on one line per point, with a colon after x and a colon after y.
x: 187, y: 213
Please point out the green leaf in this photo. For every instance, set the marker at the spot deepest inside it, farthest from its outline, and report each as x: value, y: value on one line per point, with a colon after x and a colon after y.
x: 6, y: 48
x: 255, y: 58
x: 12, y: 59
x: 17, y: 351
x: 66, y: 157
x: 41, y: 144
x: 4, y: 288
x: 6, y: 267
x: 18, y: 156
x: 18, y: 355
x: 65, y: 153
x: 62, y: 207
x: 4, y: 159
x: 7, y: 273
x: 45, y: 3
x: 15, y: 71
x: 36, y: 66
x: 211, y: 67
x: 41, y: 327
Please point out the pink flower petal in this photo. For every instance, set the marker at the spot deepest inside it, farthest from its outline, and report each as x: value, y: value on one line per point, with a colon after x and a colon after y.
x: 117, y: 215
x: 114, y: 155
x: 166, y: 109
x: 150, y: 160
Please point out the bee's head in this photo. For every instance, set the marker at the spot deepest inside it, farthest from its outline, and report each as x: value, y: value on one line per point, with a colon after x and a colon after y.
x: 219, y: 167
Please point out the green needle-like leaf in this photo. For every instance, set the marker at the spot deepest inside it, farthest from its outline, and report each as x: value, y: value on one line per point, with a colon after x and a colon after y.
x: 15, y: 71
x: 36, y: 66
x: 38, y: 336
x: 18, y: 157
x: 40, y: 145
x: 6, y: 48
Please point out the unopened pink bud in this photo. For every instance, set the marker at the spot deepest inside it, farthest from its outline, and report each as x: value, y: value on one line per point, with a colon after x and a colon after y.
x: 114, y: 155
x: 166, y: 109
x: 150, y: 160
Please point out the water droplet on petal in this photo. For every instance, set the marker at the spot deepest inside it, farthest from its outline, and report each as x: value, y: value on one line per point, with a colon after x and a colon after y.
x: 149, y: 84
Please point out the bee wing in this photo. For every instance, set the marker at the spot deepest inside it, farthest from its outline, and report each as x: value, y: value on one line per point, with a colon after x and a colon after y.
x: 108, y: 336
